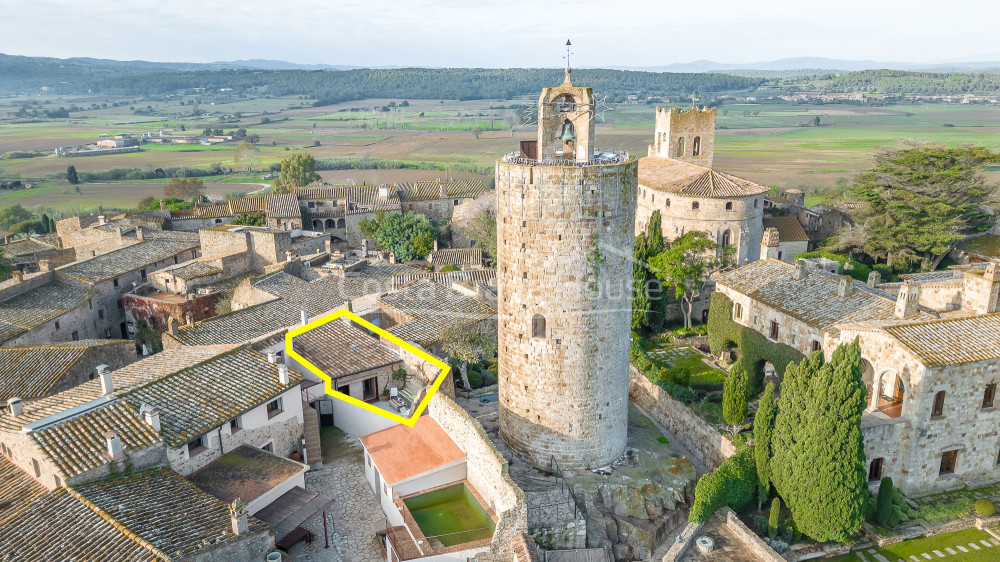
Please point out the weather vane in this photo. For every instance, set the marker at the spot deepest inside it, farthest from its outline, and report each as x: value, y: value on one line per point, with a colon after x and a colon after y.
x: 568, y: 45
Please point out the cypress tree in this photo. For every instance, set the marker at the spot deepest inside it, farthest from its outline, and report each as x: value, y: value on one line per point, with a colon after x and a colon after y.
x: 774, y: 518
x: 71, y: 175
x: 883, y: 506
x: 763, y: 430
x: 734, y: 396
x: 45, y: 222
x: 818, y: 452
x: 657, y: 315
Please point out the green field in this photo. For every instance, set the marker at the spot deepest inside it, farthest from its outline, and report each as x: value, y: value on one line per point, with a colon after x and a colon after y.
x: 933, y: 545
x: 779, y: 146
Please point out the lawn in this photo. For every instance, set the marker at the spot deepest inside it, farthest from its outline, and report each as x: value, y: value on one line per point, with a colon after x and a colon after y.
x: 932, y: 545
x: 687, y: 357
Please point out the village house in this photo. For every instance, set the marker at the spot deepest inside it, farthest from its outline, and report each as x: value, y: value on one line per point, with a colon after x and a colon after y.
x: 930, y: 361
x: 34, y: 371
x: 281, y: 212
x: 43, y: 307
x: 27, y: 254
x: 792, y: 238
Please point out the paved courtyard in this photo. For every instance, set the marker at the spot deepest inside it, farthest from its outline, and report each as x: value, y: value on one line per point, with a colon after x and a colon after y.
x: 354, y: 518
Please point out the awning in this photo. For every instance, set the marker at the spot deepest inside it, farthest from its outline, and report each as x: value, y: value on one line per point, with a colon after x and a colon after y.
x: 293, y: 508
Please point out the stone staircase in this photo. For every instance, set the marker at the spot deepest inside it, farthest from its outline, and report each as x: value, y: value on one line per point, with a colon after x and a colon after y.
x: 314, y: 448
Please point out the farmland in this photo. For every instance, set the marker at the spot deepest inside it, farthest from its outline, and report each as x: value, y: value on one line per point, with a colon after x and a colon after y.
x: 773, y: 144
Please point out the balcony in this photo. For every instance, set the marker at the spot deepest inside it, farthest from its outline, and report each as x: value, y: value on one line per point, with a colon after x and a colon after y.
x: 599, y: 159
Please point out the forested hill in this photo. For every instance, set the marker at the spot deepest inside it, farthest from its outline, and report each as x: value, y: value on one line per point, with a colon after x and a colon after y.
x: 29, y: 74
x: 901, y: 82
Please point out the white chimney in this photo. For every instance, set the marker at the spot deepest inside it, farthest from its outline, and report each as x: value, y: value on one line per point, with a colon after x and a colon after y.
x: 153, y: 419
x: 392, y: 257
x: 15, y: 406
x: 304, y: 317
x: 272, y: 357
x: 283, y: 374
x: 874, y: 278
x: 101, y: 220
x: 435, y: 245
x: 105, y: 375
x: 800, y: 270
x: 138, y: 234
x: 114, y: 444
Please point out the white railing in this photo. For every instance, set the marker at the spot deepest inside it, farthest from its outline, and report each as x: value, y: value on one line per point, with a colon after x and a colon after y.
x: 609, y: 158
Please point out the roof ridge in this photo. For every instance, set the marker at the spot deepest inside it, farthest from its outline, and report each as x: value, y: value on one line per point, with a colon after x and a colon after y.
x: 118, y: 525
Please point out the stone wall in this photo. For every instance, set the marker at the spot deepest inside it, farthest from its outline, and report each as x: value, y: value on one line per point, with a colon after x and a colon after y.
x: 698, y: 436
x: 114, y: 356
x: 757, y: 316
x: 157, y: 312
x: 565, y: 271
x: 487, y: 472
x: 250, y: 547
x: 754, y: 545
x: 671, y: 124
x: 463, y: 214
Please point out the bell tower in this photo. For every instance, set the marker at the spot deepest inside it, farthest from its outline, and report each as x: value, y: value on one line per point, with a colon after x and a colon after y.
x: 565, y: 122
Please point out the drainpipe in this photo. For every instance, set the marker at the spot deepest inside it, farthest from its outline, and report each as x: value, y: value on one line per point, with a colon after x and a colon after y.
x: 221, y: 450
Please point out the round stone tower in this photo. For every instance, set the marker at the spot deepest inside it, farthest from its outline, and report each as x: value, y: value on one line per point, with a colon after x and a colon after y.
x: 565, y: 215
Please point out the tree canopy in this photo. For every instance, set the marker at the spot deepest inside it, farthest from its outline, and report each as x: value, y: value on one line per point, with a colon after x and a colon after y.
x: 687, y: 264
x: 649, y: 303
x: 296, y: 171
x: 180, y: 188
x: 408, y: 235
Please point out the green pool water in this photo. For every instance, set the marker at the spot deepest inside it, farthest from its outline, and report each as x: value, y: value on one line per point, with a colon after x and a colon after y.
x: 450, y: 516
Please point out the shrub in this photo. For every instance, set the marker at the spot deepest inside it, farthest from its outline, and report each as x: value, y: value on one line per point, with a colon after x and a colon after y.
x: 475, y: 378
x: 984, y: 508
x: 774, y: 518
x: 858, y: 270
x: 448, y: 268
x: 883, y: 506
x: 734, y: 484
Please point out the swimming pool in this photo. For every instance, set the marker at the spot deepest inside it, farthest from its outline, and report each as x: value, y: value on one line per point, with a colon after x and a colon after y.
x: 450, y: 516
x: 488, y: 398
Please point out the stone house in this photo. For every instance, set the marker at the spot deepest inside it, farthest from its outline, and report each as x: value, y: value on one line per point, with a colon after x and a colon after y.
x: 34, y: 371
x: 28, y: 254
x: 792, y: 238
x: 677, y: 179
x: 930, y: 361
x: 438, y: 199
x: 43, y: 307
x: 281, y: 212
x: 462, y: 258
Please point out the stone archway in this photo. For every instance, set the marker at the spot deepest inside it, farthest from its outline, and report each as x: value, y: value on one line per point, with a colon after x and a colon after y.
x: 890, y: 393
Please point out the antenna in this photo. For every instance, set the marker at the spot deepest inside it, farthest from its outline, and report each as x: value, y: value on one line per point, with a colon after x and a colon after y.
x: 568, y: 45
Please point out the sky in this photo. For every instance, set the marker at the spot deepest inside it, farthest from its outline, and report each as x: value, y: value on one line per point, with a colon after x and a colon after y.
x: 511, y: 33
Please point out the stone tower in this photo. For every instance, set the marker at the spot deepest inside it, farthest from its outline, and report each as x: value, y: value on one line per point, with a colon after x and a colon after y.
x: 688, y: 136
x: 565, y: 230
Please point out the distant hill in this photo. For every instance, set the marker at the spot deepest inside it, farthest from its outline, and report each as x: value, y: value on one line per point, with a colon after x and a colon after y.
x: 258, y: 64
x: 817, y: 65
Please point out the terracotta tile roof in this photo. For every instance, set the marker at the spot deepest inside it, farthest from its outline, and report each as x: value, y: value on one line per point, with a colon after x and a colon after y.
x: 789, y: 229
x: 341, y: 349
x: 191, y: 270
x: 952, y: 341
x: 206, y: 212
x: 812, y: 300
x: 124, y: 260
x: 283, y: 206
x: 401, y: 452
x: 692, y: 180
x: 525, y: 549
x: 61, y: 527
x: 433, y: 309
x: 18, y: 491
x: 361, y: 198
x: 431, y: 190
x: 167, y: 511
x: 246, y: 473
x: 247, y: 205
x: 987, y: 246
x: 31, y: 371
x: 457, y: 256
x: 124, y: 379
x: 39, y: 305
x: 77, y: 444
x: 197, y: 398
x: 486, y: 277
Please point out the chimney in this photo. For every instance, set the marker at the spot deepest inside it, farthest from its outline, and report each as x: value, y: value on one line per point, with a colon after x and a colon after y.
x: 114, y: 445
x: 289, y: 255
x: 349, y: 306
x: 44, y: 265
x: 153, y: 419
x: 845, y: 287
x: 435, y: 245
x: 304, y: 317
x: 392, y: 257
x: 991, y: 272
x: 283, y: 374
x: 102, y: 220
x: 172, y: 326
x: 190, y: 319
x: 800, y: 270
x: 138, y: 233
x: 443, y: 192
x: 105, y: 375
x: 328, y: 246
x: 906, y: 301
x: 19, y: 275
x: 238, y: 516
x: 272, y: 357
x: 769, y: 245
x: 874, y: 278
x: 15, y: 407
x: 163, y: 205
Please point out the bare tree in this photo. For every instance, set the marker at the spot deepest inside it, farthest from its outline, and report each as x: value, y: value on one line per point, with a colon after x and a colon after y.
x: 247, y: 156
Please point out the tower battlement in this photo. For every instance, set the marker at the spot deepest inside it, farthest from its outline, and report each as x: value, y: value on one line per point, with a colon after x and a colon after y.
x: 684, y: 135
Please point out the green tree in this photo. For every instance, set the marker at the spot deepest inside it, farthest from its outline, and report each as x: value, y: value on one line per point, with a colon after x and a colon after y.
x: 470, y: 344
x: 52, y: 224
x: 396, y: 232
x: 649, y: 303
x: 9, y: 216
x: 296, y: 171
x: 774, y: 518
x: 687, y: 264
x: 71, y: 175
x: 818, y: 452
x: 483, y: 232
x: 422, y: 244
x: 734, y: 397
x: 883, y: 506
x: 918, y: 202
x: 45, y: 223
x: 763, y: 430
x: 251, y: 219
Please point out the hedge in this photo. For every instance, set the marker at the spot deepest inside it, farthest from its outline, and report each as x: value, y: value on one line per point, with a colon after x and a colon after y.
x: 860, y: 271
x: 754, y: 346
x: 734, y: 484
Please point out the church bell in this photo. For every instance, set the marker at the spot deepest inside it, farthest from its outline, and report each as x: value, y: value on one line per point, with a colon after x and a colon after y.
x: 567, y: 132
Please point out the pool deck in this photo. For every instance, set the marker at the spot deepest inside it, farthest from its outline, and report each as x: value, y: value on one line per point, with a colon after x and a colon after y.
x: 417, y: 545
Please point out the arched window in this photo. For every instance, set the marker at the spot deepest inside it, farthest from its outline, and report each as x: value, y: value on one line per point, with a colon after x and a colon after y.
x: 729, y: 206
x: 756, y: 203
x: 680, y: 146
x: 330, y: 223
x: 726, y: 239
x: 565, y: 103
x: 341, y: 223
x: 694, y: 206
x: 938, y: 409
x: 696, y: 146
x: 668, y: 202
x: 317, y: 224
x: 218, y: 221
x: 538, y: 326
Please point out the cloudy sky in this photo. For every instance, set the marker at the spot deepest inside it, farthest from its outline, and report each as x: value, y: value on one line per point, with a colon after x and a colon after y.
x: 500, y: 34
